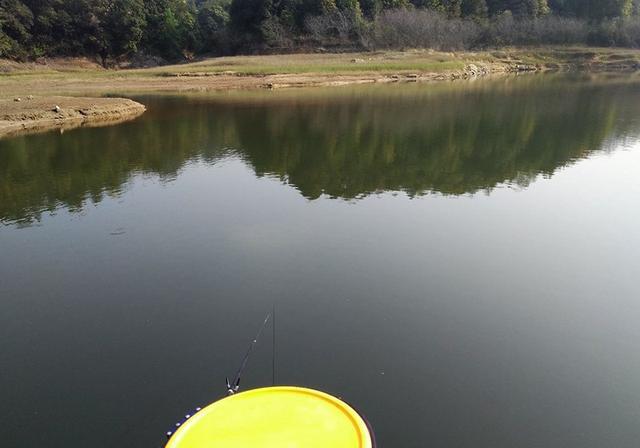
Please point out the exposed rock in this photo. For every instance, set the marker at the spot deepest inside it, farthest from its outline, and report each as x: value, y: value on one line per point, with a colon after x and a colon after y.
x: 525, y: 68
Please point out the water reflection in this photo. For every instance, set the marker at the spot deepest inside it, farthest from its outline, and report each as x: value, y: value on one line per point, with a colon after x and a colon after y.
x: 346, y: 143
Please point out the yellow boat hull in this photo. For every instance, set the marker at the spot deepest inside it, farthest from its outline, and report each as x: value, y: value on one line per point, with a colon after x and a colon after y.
x: 275, y: 417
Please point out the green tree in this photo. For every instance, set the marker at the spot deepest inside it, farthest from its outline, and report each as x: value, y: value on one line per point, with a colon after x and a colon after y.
x: 16, y: 20
x: 474, y: 8
x: 123, y: 26
x: 528, y: 8
x: 519, y: 8
x: 394, y: 4
x: 559, y: 7
x: 453, y: 8
x: 213, y: 22
x: 599, y: 9
x: 170, y: 27
x: 320, y: 7
x: 371, y: 8
x: 436, y: 5
x: 496, y: 7
x: 350, y: 6
x: 64, y: 27
x: 247, y: 17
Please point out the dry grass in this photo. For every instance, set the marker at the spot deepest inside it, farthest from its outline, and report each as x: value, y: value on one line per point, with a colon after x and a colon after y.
x: 83, y: 77
x: 387, y: 62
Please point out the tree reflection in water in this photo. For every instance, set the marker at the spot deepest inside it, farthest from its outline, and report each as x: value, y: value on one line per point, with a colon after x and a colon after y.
x: 344, y: 143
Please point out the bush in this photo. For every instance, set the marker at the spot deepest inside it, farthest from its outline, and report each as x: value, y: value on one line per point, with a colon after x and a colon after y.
x: 276, y: 35
x: 404, y: 28
x: 617, y: 33
x: 549, y: 30
x: 338, y: 29
x: 559, y: 31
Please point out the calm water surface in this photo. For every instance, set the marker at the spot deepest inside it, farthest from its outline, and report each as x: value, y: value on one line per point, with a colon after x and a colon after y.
x: 461, y: 262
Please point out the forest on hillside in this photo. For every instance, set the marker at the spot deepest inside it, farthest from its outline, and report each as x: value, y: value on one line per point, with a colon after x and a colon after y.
x: 112, y: 30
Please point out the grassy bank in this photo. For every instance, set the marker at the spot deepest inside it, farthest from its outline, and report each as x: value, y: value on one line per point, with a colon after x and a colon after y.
x: 64, y: 77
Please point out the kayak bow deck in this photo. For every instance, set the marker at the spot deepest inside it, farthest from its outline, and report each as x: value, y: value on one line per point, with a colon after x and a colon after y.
x: 275, y: 417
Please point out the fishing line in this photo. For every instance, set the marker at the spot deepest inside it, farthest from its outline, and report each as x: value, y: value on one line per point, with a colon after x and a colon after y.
x: 273, y: 346
x: 233, y: 387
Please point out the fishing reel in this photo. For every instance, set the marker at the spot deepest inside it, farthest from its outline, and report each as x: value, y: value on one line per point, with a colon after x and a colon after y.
x: 232, y: 389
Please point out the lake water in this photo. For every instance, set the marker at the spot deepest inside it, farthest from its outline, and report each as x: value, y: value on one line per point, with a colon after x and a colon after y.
x: 461, y: 262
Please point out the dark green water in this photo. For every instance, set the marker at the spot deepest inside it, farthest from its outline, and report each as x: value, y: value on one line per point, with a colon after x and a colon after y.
x: 460, y: 262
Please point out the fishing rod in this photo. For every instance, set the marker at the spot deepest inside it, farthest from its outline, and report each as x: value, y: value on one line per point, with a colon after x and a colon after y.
x: 279, y: 414
x: 233, y: 387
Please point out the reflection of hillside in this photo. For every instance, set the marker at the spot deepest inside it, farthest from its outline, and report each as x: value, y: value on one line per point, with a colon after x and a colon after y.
x: 416, y: 139
x: 451, y: 145
x: 42, y: 172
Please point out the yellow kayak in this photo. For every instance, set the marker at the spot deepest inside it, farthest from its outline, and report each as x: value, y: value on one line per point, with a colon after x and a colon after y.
x: 274, y: 417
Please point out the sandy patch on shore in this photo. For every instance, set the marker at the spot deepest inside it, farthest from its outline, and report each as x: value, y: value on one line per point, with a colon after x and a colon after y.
x: 35, y: 114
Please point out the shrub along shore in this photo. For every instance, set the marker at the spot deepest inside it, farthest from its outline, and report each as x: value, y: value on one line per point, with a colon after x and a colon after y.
x: 26, y: 89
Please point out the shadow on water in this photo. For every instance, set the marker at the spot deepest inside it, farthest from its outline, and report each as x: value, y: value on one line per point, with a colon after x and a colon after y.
x: 346, y: 143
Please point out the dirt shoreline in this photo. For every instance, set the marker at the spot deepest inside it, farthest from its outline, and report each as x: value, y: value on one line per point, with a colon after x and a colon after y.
x: 38, y: 114
x: 79, y: 89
